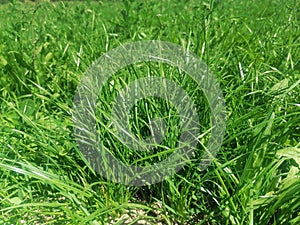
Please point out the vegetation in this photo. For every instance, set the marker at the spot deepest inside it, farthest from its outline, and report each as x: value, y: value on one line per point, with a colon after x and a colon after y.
x: 253, y: 48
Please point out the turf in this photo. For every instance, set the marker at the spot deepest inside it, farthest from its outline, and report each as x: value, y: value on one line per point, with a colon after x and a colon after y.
x: 253, y: 48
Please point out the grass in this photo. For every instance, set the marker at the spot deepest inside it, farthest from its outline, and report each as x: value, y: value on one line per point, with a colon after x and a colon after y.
x: 252, y: 47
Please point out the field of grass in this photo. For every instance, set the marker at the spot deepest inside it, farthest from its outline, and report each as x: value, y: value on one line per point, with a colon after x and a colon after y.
x: 253, y: 48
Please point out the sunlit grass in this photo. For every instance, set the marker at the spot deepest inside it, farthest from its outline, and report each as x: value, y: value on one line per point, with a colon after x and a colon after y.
x: 252, y: 47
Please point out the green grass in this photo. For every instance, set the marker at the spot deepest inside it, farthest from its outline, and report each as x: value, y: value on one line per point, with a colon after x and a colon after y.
x: 253, y: 48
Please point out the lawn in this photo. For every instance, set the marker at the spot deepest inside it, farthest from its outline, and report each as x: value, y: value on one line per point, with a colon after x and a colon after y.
x: 252, y: 48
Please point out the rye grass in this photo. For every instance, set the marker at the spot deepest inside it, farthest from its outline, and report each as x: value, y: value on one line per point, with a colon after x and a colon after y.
x: 253, y: 48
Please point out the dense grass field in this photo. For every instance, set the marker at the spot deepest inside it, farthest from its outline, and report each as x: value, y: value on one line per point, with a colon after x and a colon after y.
x: 253, y: 48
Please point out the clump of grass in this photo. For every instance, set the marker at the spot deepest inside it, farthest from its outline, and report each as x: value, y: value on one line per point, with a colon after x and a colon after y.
x: 251, y: 47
